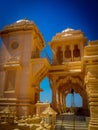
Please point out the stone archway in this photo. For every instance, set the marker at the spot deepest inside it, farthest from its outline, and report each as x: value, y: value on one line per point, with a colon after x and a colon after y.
x: 66, y: 85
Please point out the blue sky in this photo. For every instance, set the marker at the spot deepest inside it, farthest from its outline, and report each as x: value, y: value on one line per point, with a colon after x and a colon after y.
x: 52, y: 16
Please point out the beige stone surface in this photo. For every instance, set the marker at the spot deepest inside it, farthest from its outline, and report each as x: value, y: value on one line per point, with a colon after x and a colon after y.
x: 74, y: 68
x: 91, y: 80
x: 22, y: 41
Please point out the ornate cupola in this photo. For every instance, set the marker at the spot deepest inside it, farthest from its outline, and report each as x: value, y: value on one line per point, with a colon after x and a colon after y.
x: 67, y: 46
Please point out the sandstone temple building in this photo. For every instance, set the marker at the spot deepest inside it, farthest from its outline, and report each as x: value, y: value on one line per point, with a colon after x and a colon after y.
x: 74, y: 68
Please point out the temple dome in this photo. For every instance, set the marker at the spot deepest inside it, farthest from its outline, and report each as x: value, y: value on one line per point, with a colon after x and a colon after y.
x: 68, y: 29
x: 22, y: 20
x: 68, y: 34
x: 22, y: 24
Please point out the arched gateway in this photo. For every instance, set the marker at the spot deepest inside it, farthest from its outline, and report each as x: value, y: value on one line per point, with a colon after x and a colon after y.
x: 74, y: 68
x: 66, y: 72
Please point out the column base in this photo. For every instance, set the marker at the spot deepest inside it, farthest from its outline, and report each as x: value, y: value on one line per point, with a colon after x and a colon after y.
x: 93, y: 125
x: 25, y: 107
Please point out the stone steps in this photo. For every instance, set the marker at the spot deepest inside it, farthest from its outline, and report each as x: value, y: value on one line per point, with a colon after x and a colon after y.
x: 71, y: 122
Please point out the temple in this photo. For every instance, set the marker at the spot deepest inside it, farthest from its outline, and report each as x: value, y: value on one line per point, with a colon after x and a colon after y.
x: 73, y: 69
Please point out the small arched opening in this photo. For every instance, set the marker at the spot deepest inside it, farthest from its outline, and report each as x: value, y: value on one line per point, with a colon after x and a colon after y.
x: 77, y: 100
x: 46, y: 94
x: 74, y: 103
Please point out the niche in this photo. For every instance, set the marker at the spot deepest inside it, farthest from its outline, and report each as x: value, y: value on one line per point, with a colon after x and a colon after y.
x: 67, y: 53
x: 76, y: 53
x: 59, y: 55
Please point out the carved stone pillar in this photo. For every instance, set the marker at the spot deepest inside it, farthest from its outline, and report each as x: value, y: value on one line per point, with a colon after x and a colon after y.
x: 54, y: 56
x: 54, y: 100
x: 63, y: 101
x: 92, y: 90
x: 72, y: 52
x: 54, y: 96
x: 59, y: 103
x: 91, y: 80
x: 85, y: 103
x: 63, y: 49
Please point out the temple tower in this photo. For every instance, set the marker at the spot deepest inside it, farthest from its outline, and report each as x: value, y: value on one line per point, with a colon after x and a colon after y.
x: 66, y: 72
x: 23, y: 69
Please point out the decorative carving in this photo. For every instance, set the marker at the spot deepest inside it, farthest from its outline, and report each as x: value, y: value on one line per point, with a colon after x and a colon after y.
x: 14, y: 45
x: 72, y: 79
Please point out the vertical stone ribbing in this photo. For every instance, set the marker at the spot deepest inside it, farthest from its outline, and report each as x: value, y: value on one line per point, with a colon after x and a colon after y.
x: 92, y: 90
x: 91, y: 80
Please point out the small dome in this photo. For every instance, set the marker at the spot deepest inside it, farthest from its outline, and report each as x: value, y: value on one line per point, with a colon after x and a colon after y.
x: 22, y: 20
x: 68, y: 33
x: 68, y: 29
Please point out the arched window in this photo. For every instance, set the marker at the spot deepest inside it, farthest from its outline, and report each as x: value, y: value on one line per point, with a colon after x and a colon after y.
x: 59, y: 55
x: 77, y: 100
x: 76, y: 53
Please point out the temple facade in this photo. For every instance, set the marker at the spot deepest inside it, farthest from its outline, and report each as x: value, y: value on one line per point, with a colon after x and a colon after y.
x: 66, y: 73
x: 73, y: 69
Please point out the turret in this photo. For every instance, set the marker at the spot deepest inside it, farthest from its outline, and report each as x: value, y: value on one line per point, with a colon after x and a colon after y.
x: 67, y: 46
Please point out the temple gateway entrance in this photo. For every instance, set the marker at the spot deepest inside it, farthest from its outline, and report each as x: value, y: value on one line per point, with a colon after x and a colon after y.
x: 66, y: 73
x: 70, y: 85
x: 73, y: 69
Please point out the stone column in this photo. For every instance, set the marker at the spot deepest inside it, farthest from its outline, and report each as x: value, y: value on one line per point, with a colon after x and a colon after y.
x: 63, y: 101
x: 63, y: 49
x: 54, y: 100
x: 54, y: 55
x: 92, y: 90
x: 91, y: 80
x: 59, y: 103
x: 54, y: 96
x: 85, y: 103
x: 72, y: 52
